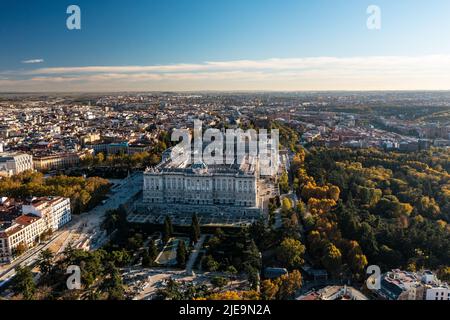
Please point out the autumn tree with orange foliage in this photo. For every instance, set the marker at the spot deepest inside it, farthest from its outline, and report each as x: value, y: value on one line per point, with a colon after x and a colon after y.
x: 235, y: 295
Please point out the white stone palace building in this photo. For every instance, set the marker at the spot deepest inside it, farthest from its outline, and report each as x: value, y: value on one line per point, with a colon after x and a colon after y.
x: 226, y: 188
x: 177, y: 187
x: 200, y: 184
x: 201, y: 188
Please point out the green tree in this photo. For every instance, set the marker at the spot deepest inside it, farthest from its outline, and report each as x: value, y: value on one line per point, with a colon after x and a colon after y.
x: 181, y: 254
x: 284, y: 182
x: 135, y: 242
x: 219, y: 282
x: 120, y: 258
x: 152, y: 250
x: 290, y: 253
x: 231, y: 271
x: 23, y: 283
x: 168, y: 229
x: 210, y: 264
x: 332, y: 259
x: 444, y: 274
x: 356, y: 258
x: 113, y: 284
x: 195, y: 230
x: 146, y: 261
x: 252, y: 276
x: 45, y: 261
x: 286, y: 204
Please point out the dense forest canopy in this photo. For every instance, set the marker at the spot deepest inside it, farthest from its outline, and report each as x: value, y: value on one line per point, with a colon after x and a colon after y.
x: 393, y: 207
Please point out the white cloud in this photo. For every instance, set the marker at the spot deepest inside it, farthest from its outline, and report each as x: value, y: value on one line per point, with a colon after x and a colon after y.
x: 33, y: 61
x: 317, y: 73
x: 316, y: 63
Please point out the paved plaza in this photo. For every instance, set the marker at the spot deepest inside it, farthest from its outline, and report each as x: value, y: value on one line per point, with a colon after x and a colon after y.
x: 179, y: 219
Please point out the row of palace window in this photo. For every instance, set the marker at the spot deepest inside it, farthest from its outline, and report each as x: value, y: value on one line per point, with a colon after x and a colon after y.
x: 204, y: 202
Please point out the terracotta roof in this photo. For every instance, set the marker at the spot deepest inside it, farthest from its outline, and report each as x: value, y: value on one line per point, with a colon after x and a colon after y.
x: 26, y: 220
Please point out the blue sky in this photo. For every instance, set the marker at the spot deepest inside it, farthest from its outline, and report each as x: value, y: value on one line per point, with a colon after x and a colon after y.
x: 149, y: 33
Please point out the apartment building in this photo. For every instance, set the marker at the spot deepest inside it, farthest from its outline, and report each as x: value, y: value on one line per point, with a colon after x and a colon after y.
x: 14, y: 163
x: 56, y: 161
x: 38, y: 216
x: 404, y: 285
x: 24, y: 230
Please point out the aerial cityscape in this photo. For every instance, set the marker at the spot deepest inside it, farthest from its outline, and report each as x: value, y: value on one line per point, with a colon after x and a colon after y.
x: 152, y: 180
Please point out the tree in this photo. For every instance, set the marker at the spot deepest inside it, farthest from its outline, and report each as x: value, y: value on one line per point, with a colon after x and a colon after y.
x: 181, y: 254
x: 356, y: 258
x: 23, y: 283
x: 391, y: 204
x: 320, y: 206
x: 250, y: 295
x: 113, y: 284
x: 20, y: 249
x: 227, y: 295
x: 444, y: 274
x: 290, y: 225
x: 135, y: 242
x: 389, y: 258
x: 219, y: 282
x: 235, y: 295
x: 152, y: 250
x: 45, y: 261
x: 99, y: 158
x: 288, y: 284
x: 334, y: 193
x: 210, y: 264
x: 168, y: 229
x: 290, y: 253
x: 251, y: 255
x: 332, y: 259
x: 301, y: 208
x: 172, y: 291
x: 231, y: 271
x: 269, y: 290
x: 284, y: 182
x: 146, y: 261
x: 428, y: 207
x: 195, y: 230
x: 252, y: 276
x: 391, y: 207
x: 120, y: 258
x: 286, y: 204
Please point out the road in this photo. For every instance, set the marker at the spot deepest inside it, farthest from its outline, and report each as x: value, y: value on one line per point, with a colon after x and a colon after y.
x: 87, y: 233
x: 194, y: 255
x: 84, y: 231
x: 27, y: 259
